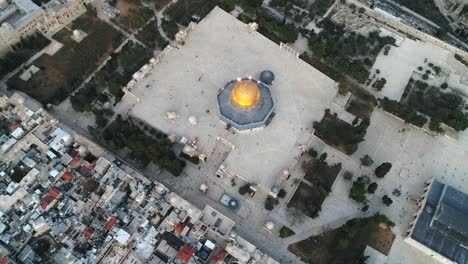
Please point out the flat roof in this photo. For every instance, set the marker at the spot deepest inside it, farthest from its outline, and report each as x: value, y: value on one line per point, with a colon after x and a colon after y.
x: 441, y: 229
x: 219, y: 49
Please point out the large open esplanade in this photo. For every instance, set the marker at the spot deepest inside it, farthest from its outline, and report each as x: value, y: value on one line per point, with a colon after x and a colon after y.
x: 228, y: 84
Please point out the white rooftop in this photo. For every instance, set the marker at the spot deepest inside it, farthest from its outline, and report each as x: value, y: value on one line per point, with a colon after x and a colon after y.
x: 219, y: 49
x: 122, y: 236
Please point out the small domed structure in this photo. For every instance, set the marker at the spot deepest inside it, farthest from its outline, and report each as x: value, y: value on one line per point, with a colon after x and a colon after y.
x: 171, y: 116
x: 267, y: 77
x: 275, y: 189
x: 203, y: 187
x: 233, y: 234
x: 192, y: 120
x: 76, y: 33
x: 269, y: 225
x: 245, y: 93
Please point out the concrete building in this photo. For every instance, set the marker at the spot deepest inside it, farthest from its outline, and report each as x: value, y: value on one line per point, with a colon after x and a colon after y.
x: 18, y: 19
x: 21, y: 18
x: 439, y: 228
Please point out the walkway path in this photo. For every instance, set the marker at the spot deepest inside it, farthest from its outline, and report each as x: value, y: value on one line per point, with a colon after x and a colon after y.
x: 160, y: 16
x: 317, y: 230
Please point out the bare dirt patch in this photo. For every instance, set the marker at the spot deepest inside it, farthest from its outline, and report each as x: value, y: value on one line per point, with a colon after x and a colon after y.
x: 347, y: 243
x: 309, y: 198
x: 132, y: 15
x: 359, y: 108
x: 339, y: 134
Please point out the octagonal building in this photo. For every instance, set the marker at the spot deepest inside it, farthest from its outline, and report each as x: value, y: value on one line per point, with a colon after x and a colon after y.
x: 246, y: 104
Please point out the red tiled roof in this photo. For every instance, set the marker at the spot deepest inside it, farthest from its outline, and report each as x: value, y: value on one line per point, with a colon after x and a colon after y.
x: 54, y: 192
x: 68, y: 176
x: 221, y: 256
x: 50, y: 197
x: 186, y: 253
x: 111, y: 223
x: 88, y: 233
x: 14, y: 126
x: 4, y: 260
x: 87, y: 168
x: 75, y: 161
x: 179, y: 228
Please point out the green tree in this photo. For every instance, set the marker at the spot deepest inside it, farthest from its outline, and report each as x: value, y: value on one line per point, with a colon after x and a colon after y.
x: 442, y: 32
x: 348, y: 175
x: 270, y: 203
x: 343, y: 89
x: 366, y: 160
x: 115, y: 89
x: 286, y: 232
x: 383, y: 169
x: 387, y: 200
x: 323, y: 156
x: 358, y: 192
x: 244, y: 189
x: 372, y: 187
x: 434, y: 125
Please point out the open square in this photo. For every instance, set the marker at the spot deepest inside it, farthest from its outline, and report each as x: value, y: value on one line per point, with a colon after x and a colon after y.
x: 187, y: 82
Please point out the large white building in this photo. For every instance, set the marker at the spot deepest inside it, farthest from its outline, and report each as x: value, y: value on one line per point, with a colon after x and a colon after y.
x: 21, y: 18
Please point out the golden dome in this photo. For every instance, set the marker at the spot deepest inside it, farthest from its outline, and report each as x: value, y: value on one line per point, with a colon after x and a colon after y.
x: 245, y: 93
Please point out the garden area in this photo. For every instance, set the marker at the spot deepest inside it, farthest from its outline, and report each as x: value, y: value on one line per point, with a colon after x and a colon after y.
x: 158, y: 4
x: 45, y: 247
x: 402, y: 111
x: 63, y: 72
x: 350, y: 53
x: 309, y: 198
x: 442, y: 106
x: 114, y: 76
x: 346, y: 244
x: 170, y: 28
x: 149, y: 35
x: 145, y: 144
x: 339, y: 134
x: 276, y: 31
x: 132, y: 16
x: 22, y: 51
x: 421, y: 99
x: 320, y: 7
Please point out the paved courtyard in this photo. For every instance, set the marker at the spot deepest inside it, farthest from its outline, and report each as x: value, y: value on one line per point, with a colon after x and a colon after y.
x: 189, y: 77
x: 398, y: 66
x: 416, y: 157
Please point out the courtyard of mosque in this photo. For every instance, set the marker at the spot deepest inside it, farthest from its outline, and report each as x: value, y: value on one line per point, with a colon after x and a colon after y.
x: 254, y: 128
